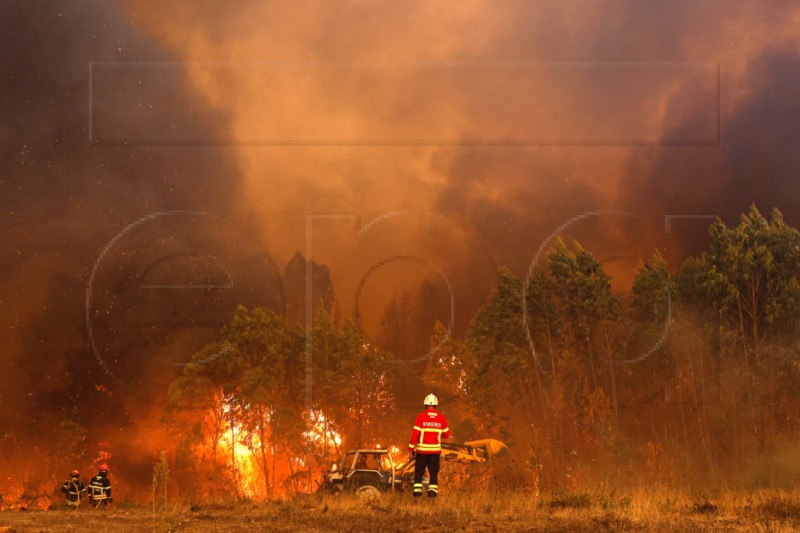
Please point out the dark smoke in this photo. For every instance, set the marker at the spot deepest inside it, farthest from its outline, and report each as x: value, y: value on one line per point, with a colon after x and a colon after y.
x: 757, y: 160
x: 675, y: 191
x: 64, y: 199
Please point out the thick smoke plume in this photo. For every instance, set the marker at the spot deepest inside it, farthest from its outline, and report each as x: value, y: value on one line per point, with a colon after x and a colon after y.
x: 153, y: 154
x: 64, y: 200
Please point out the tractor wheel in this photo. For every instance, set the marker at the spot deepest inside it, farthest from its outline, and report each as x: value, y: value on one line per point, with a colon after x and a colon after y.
x: 368, y: 492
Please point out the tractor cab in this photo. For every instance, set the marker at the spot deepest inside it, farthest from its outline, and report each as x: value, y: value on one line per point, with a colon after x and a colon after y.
x: 363, y: 471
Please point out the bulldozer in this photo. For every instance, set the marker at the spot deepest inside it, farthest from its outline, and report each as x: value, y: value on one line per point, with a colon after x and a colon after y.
x: 370, y: 472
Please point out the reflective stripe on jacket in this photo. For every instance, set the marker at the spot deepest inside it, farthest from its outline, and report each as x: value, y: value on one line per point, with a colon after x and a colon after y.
x: 99, y: 488
x: 430, y: 428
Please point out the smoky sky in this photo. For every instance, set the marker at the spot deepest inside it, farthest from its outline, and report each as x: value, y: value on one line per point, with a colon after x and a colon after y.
x: 128, y: 162
x: 631, y: 89
x: 76, y: 215
x: 755, y: 163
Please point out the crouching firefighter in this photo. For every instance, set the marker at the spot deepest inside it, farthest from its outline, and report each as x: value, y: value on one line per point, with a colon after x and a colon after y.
x: 430, y: 428
x: 100, y: 488
x: 73, y: 489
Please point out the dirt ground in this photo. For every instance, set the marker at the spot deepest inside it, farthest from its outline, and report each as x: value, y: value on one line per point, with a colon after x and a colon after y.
x: 453, y: 512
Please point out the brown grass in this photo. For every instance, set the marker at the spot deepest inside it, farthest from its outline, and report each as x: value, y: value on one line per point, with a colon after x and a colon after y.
x: 651, y: 509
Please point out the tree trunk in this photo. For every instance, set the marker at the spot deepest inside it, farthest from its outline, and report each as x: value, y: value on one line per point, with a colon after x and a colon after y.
x: 272, y: 473
x: 262, y: 445
x: 742, y: 330
x: 614, y: 399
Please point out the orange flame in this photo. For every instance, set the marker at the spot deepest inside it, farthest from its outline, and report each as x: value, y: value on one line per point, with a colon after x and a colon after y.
x: 242, y: 461
x: 322, y: 431
x: 244, y: 464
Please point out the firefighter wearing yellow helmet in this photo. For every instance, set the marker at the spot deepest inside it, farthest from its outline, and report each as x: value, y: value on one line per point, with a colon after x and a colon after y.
x: 73, y: 489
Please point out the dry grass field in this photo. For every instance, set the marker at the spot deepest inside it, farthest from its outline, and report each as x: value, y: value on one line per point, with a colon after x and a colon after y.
x: 646, y: 510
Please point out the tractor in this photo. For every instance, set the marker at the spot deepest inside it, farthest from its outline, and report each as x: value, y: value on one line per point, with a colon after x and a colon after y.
x: 369, y: 472
x: 366, y: 472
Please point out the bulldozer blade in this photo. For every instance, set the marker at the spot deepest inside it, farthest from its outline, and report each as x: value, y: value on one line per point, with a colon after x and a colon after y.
x: 493, y: 447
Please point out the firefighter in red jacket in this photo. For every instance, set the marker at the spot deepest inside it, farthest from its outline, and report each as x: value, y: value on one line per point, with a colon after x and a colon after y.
x: 430, y: 428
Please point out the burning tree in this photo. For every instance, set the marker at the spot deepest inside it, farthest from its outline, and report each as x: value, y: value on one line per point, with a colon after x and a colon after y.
x: 353, y: 382
x: 246, y: 395
x: 227, y: 395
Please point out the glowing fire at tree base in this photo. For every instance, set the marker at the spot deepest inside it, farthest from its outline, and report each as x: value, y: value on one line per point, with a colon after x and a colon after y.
x: 240, y: 447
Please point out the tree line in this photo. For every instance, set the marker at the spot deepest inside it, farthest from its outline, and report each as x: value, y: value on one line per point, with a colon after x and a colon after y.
x: 692, y: 376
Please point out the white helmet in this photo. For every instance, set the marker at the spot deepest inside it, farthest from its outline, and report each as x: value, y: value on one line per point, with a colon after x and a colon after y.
x: 431, y: 399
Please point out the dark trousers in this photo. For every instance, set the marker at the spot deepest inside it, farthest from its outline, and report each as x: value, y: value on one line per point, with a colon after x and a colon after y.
x: 429, y: 461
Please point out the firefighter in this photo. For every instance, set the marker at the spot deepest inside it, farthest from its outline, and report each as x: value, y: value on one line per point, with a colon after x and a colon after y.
x: 73, y: 489
x: 100, y: 488
x: 430, y: 428
x: 361, y: 464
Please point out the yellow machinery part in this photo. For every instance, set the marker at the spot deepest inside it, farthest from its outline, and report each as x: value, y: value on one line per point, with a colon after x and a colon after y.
x: 492, y: 446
